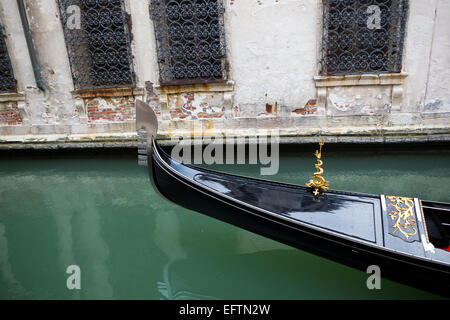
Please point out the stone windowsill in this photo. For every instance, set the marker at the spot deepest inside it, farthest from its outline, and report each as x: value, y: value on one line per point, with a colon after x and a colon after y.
x: 203, y: 87
x: 360, y: 80
x: 108, y: 92
x: 12, y: 96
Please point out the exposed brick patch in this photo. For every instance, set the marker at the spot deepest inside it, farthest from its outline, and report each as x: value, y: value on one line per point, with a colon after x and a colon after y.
x: 269, y: 107
x: 189, y: 97
x: 10, y: 114
x: 272, y: 109
x: 118, y: 109
x: 309, y: 108
x: 176, y: 113
x: 203, y: 115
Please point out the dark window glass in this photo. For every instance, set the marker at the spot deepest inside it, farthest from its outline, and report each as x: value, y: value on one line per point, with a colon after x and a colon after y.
x: 190, y: 40
x: 363, y: 36
x: 7, y: 80
x: 99, y: 51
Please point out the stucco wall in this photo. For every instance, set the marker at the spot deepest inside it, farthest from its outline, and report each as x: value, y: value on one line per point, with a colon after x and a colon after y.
x: 273, y: 54
x: 436, y: 97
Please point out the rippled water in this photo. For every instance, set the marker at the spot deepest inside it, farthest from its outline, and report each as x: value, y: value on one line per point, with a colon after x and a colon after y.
x: 100, y: 212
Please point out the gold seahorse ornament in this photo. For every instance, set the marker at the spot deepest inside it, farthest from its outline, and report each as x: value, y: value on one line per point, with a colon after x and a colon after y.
x: 319, y: 183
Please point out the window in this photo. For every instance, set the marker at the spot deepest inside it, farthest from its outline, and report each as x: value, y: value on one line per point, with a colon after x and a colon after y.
x: 7, y: 81
x: 190, y: 40
x: 363, y: 36
x: 99, y: 45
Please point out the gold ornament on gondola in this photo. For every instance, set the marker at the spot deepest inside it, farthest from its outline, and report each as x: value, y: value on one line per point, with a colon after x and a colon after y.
x: 318, y: 183
x: 403, y: 218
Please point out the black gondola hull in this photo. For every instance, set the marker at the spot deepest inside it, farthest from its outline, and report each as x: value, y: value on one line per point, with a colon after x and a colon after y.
x: 188, y: 193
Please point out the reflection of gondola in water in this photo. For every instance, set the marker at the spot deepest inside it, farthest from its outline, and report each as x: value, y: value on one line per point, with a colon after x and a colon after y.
x: 169, y: 288
x: 407, y: 238
x: 276, y: 273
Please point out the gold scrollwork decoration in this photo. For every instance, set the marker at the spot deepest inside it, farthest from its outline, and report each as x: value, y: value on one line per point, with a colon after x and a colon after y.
x: 403, y: 219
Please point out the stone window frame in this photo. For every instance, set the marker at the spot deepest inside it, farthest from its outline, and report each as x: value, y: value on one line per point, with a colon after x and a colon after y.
x: 394, y: 79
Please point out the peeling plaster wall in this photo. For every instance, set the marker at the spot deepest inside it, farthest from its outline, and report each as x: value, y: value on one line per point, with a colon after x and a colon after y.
x: 143, y: 43
x: 351, y: 101
x: 437, y: 96
x: 16, y: 43
x: 12, y: 119
x: 273, y: 54
x: 196, y: 105
x: 58, y: 110
x: 58, y: 106
x: 417, y: 52
x: 116, y: 109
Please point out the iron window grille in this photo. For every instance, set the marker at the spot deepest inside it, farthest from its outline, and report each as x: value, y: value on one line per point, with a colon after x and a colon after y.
x: 100, y: 49
x: 363, y: 36
x: 190, y: 39
x: 7, y: 81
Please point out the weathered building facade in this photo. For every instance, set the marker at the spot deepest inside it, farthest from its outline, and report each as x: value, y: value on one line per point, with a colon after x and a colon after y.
x: 360, y: 70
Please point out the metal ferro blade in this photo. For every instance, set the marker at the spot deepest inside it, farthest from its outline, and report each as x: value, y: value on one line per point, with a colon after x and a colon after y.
x: 146, y: 126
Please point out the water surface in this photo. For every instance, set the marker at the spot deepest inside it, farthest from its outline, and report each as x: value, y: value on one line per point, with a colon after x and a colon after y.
x: 100, y: 212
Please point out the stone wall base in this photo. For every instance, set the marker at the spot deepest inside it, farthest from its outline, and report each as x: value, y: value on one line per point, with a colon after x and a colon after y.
x: 289, y: 135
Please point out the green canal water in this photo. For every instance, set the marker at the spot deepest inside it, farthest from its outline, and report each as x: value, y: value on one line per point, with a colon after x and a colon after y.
x: 99, y: 211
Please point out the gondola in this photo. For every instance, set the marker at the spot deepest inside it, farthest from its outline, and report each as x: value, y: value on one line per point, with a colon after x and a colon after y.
x: 407, y: 238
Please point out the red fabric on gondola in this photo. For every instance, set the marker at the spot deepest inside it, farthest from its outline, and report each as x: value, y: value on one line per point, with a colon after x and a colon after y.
x: 448, y: 248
